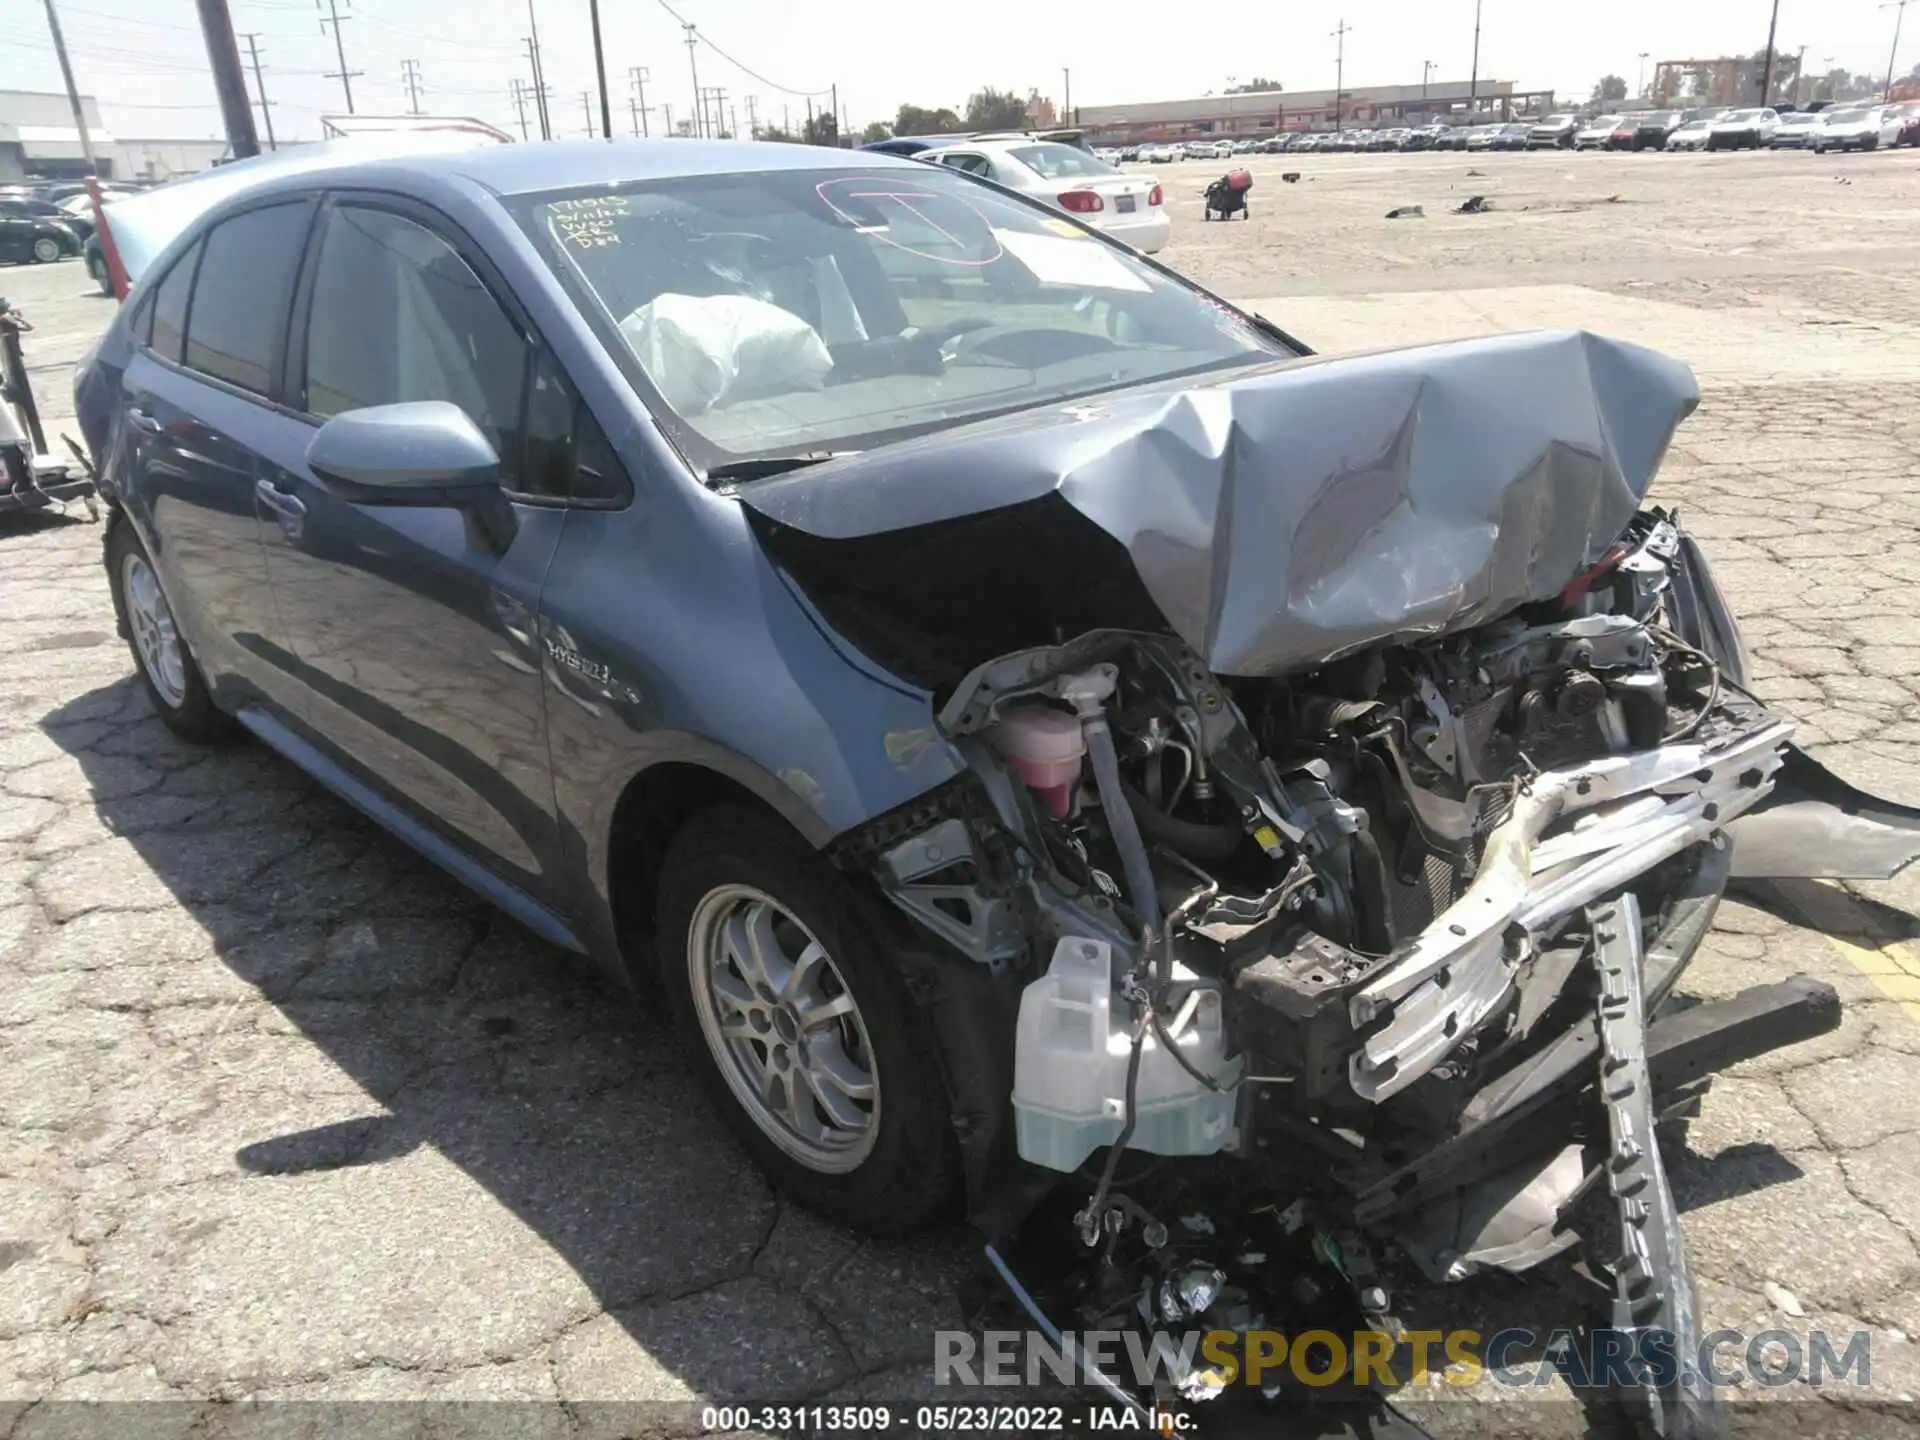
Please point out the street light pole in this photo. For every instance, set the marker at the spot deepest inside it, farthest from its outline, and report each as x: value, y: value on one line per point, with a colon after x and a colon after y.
x: 1899, y: 8
x: 1339, y: 72
x: 1427, y: 68
x: 1066, y: 102
x: 1766, y: 70
x: 1473, y: 85
x: 1640, y: 79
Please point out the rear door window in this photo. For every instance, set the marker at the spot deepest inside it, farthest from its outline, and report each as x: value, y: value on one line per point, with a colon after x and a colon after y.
x: 170, y: 306
x: 239, y: 318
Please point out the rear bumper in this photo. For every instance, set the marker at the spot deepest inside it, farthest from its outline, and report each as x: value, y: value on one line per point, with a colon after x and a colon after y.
x: 1145, y: 233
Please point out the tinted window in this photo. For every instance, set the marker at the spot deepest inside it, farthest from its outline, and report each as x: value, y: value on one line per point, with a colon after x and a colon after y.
x: 568, y: 455
x: 398, y: 315
x: 240, y: 304
x: 170, y: 306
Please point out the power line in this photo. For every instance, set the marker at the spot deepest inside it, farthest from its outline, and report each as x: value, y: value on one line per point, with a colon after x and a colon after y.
x: 638, y: 75
x: 343, y: 74
x: 738, y: 65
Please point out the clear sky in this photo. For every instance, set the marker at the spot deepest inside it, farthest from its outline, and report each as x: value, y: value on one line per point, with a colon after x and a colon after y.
x: 145, y: 62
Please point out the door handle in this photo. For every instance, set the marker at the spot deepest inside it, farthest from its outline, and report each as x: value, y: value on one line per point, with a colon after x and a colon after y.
x: 290, y: 508
x: 141, y: 420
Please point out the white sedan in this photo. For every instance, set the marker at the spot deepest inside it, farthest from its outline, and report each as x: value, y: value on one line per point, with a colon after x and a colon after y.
x: 1127, y: 207
x: 1854, y: 128
x: 1691, y: 136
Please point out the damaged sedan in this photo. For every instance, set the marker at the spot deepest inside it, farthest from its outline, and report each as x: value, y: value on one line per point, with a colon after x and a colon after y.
x: 1053, y: 739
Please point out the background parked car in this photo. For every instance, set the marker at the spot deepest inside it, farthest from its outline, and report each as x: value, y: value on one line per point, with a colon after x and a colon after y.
x: 1691, y: 135
x: 81, y: 224
x: 1794, y: 132
x: 1648, y: 131
x: 34, y: 239
x: 1556, y: 132
x: 1596, y: 133
x: 1481, y: 137
x: 1127, y: 207
x: 1742, y: 129
x: 1855, y: 128
x: 1511, y: 136
x: 1900, y: 124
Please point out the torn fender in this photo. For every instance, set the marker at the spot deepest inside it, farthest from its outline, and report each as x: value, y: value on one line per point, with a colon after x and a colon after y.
x: 1815, y: 826
x: 1283, y: 516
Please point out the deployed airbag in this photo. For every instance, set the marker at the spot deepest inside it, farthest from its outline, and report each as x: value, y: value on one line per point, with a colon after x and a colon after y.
x: 1284, y: 516
x: 703, y: 350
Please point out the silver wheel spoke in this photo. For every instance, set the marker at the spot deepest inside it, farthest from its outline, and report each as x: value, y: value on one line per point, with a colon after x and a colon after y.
x: 828, y: 1060
x: 824, y: 1013
x: 834, y: 1102
x: 803, y: 973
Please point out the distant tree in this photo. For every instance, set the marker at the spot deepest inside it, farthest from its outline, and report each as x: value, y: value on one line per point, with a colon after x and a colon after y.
x: 918, y: 120
x: 990, y: 109
x: 1610, y: 88
x: 1254, y: 85
x: 774, y: 132
x: 822, y: 129
x: 876, y: 130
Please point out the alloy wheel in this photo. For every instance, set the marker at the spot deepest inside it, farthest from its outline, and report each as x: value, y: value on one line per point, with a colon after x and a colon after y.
x: 784, y: 1028
x: 154, y: 634
x: 46, y: 250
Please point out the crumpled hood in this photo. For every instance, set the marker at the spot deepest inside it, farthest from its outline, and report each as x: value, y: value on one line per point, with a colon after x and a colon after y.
x: 1289, y: 515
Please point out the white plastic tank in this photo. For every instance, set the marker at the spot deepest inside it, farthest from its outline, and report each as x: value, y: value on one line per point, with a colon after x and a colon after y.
x: 1070, y: 1065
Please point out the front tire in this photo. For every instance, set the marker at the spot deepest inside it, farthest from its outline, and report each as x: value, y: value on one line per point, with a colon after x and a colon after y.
x: 46, y: 250
x: 804, y: 1029
x: 173, y: 682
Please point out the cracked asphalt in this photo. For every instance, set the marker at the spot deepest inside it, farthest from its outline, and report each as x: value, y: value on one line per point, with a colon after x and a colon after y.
x: 287, y: 1114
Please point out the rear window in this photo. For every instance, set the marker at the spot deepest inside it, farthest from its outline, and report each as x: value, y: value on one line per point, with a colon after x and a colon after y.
x: 1847, y: 117
x: 170, y: 306
x: 246, y: 284
x: 1060, y: 162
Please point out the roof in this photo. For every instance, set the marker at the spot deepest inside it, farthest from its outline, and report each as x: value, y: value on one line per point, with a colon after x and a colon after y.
x: 563, y: 164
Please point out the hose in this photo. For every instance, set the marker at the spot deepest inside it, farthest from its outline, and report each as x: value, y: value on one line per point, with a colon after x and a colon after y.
x: 1126, y: 834
x: 1061, y: 1342
x: 1205, y: 841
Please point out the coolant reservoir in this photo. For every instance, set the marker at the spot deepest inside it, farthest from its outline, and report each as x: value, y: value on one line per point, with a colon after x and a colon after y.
x: 1070, y: 1065
x: 1045, y: 748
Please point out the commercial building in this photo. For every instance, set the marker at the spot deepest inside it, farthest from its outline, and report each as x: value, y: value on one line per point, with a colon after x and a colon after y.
x: 1264, y: 112
x: 38, y: 140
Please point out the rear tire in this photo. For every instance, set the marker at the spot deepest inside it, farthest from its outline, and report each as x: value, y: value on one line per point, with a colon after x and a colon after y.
x: 173, y: 682
x: 759, y: 940
x: 46, y: 250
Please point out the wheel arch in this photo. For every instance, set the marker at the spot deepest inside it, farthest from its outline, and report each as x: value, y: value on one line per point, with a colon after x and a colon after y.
x: 650, y: 808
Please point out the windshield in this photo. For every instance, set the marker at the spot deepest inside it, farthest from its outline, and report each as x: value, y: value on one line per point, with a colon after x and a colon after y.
x: 1658, y: 117
x: 796, y: 312
x: 1061, y: 162
x: 1846, y: 117
x: 1798, y: 119
x: 1742, y: 115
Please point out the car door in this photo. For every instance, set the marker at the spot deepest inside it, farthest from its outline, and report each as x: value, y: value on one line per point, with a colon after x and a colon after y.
x: 197, y: 411
x: 16, y: 237
x: 415, y: 633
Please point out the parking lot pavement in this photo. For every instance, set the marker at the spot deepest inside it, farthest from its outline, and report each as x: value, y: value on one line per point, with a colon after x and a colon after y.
x: 286, y: 1113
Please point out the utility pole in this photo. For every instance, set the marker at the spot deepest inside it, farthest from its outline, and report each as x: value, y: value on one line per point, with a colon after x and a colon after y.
x: 1427, y: 67
x: 539, y: 90
x: 1339, y: 71
x: 1473, y: 85
x: 1066, y: 101
x: 229, y: 80
x: 1640, y: 79
x: 836, y: 114
x: 1800, y: 76
x: 410, y: 77
x: 116, y: 271
x: 73, y: 91
x: 600, y: 73
x: 343, y: 75
x: 753, y: 117
x: 733, y: 120
x: 586, y: 104
x: 666, y: 116
x: 693, y: 65
x: 266, y: 114
x: 639, y: 75
x: 539, y: 74
x: 1899, y: 8
x: 520, y: 106
x: 1766, y: 69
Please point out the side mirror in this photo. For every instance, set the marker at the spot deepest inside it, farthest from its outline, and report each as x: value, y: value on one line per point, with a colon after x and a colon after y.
x: 419, y: 452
